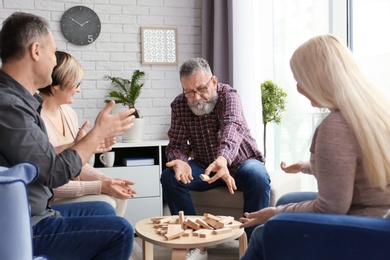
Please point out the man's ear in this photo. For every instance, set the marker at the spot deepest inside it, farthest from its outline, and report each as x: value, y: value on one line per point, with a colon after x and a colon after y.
x: 215, y: 81
x: 35, y: 51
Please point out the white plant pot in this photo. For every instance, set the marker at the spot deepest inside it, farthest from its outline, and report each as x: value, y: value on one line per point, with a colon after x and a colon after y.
x: 135, y: 133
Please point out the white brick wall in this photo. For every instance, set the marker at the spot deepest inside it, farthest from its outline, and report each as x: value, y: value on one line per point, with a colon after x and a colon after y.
x: 117, y: 51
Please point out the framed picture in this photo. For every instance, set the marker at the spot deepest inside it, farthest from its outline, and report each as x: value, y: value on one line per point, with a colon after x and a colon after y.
x: 159, y: 45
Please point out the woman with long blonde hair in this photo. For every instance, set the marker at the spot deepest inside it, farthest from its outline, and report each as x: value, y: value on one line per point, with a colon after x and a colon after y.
x: 351, y: 146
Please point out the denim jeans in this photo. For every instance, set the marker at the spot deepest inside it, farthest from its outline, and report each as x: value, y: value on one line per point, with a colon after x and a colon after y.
x: 85, y: 230
x: 255, y: 246
x: 252, y: 178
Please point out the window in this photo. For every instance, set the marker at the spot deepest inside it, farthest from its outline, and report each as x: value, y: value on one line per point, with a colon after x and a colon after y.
x: 370, y: 41
x: 293, y: 23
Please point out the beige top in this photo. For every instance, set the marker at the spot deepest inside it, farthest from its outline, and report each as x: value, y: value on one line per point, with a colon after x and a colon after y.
x: 336, y: 162
x: 88, y: 182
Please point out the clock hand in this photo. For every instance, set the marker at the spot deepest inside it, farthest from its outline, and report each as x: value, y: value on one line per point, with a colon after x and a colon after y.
x: 85, y: 23
x: 75, y: 21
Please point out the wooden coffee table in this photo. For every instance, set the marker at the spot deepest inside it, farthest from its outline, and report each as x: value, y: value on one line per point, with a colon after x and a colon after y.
x: 146, y: 231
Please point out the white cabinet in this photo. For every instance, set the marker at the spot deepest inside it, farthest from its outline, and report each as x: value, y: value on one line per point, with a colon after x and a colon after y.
x: 148, y: 200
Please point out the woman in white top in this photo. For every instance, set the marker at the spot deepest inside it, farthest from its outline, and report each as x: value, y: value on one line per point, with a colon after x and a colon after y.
x: 62, y: 127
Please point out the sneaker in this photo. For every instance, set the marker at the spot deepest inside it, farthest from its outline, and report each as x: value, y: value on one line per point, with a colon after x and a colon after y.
x: 196, y: 254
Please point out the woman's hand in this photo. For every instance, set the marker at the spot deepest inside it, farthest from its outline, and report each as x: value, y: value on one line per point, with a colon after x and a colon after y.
x: 257, y: 217
x: 293, y: 168
x: 82, y: 131
x: 118, y: 188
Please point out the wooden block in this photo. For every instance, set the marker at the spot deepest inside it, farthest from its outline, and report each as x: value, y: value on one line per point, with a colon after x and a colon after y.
x: 174, y: 220
x: 222, y: 231
x: 181, y: 219
x: 224, y: 221
x: 174, y: 231
x: 233, y: 226
x: 187, y: 233
x: 204, y: 177
x: 192, y: 224
x: 198, y: 232
x: 227, y: 220
x: 205, y: 233
x: 156, y: 219
x: 165, y: 220
x: 211, y: 216
x: 211, y: 222
x: 203, y: 224
x: 219, y: 225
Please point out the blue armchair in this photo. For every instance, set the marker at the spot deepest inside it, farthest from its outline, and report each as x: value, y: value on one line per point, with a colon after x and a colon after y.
x: 326, y: 236
x: 15, y: 222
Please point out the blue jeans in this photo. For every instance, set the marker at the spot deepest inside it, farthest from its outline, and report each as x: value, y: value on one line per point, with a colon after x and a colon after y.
x: 251, y: 177
x: 255, y: 246
x: 85, y: 230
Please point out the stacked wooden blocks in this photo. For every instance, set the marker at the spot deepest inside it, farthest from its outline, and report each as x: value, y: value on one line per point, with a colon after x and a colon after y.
x: 180, y: 226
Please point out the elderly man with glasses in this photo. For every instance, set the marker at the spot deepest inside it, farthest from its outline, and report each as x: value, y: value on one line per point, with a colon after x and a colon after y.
x: 208, y: 124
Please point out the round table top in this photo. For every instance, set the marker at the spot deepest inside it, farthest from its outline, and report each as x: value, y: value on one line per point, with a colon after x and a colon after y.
x: 145, y: 229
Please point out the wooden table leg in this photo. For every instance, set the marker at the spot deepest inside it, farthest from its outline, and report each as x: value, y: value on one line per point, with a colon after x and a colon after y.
x: 147, y: 250
x: 179, y: 253
x: 243, y: 244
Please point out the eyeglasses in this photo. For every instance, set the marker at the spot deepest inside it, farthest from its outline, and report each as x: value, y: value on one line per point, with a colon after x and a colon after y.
x: 199, y: 91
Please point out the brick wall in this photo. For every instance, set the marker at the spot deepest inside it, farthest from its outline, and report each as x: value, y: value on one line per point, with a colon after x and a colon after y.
x: 117, y: 51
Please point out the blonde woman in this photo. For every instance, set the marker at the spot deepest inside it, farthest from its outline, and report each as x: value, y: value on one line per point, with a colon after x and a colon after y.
x: 350, y: 148
x: 62, y: 127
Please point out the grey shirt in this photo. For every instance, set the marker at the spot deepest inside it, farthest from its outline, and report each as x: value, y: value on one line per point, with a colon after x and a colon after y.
x: 23, y: 138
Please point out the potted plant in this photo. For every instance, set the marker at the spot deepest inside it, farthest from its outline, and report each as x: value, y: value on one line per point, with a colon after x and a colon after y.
x: 273, y: 100
x: 126, y: 92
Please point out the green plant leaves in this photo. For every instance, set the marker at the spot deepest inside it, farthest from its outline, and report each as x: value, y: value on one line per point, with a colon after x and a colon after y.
x: 273, y: 102
x: 126, y: 92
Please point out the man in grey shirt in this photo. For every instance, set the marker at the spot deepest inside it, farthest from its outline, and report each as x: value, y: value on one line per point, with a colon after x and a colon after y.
x: 78, y: 231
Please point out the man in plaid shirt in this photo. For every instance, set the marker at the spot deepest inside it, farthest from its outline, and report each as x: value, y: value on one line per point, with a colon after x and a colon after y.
x: 208, y: 122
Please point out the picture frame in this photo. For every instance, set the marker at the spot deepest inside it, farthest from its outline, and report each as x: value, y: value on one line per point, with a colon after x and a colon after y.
x: 159, y: 45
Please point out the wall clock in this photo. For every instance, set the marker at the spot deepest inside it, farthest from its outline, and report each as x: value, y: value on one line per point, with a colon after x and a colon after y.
x: 80, y: 25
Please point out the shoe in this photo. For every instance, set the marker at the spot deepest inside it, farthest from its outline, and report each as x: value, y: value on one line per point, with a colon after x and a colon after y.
x: 196, y: 254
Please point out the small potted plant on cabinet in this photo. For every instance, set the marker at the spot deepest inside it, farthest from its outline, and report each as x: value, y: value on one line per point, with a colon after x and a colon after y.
x: 126, y: 92
x: 273, y: 100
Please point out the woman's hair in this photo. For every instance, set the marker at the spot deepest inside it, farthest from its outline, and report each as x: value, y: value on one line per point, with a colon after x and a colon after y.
x: 18, y: 31
x: 67, y: 72
x: 327, y: 71
x: 191, y: 66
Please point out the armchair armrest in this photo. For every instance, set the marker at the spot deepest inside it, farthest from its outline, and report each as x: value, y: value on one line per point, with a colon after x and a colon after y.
x: 326, y: 236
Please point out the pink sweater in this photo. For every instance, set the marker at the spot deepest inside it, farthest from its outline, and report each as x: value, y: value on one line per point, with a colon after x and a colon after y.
x: 336, y: 162
x: 88, y: 182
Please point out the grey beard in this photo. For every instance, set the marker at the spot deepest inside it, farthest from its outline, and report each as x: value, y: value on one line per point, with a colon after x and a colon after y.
x: 202, y: 107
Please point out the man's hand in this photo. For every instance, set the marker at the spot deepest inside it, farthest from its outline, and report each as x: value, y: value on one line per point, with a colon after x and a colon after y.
x: 104, y: 146
x: 113, y: 125
x: 219, y: 166
x: 257, y: 217
x: 107, y: 126
x: 182, y: 170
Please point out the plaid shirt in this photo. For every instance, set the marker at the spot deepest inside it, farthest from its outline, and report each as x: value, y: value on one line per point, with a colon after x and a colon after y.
x: 223, y: 132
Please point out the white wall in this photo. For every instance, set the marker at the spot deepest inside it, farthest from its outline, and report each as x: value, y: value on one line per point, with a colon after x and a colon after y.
x: 117, y: 51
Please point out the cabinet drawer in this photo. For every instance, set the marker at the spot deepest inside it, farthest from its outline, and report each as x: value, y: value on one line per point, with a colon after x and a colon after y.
x: 138, y: 209
x: 146, y: 178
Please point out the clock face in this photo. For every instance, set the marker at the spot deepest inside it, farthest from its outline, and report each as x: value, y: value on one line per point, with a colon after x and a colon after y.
x: 80, y: 25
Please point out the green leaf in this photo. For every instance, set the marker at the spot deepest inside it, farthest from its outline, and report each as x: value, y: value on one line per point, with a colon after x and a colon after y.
x: 126, y: 91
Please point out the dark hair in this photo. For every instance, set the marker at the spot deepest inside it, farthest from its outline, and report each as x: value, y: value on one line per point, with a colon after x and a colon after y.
x: 191, y: 66
x: 17, y: 32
